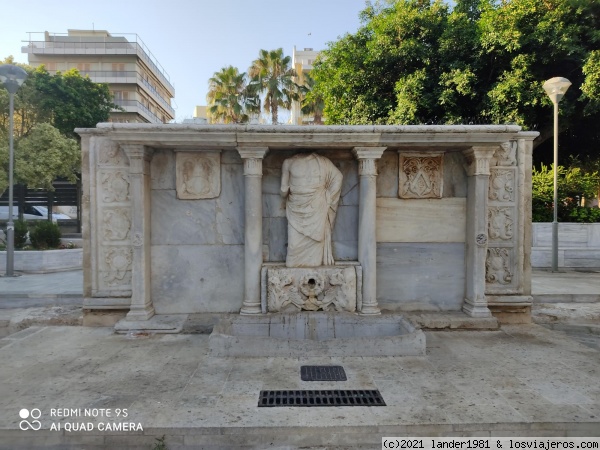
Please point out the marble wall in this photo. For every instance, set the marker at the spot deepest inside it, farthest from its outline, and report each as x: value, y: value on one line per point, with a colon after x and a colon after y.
x: 420, y: 259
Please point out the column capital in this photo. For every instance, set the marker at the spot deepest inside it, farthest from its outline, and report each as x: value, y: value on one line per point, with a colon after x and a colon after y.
x: 478, y: 160
x: 137, y: 151
x: 368, y: 152
x: 139, y: 157
x: 252, y: 152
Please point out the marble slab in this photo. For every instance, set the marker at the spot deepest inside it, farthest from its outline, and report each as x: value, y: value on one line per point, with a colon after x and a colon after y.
x: 426, y: 277
x: 421, y: 220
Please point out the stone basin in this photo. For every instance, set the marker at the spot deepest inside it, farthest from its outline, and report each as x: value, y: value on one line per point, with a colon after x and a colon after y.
x: 316, y: 334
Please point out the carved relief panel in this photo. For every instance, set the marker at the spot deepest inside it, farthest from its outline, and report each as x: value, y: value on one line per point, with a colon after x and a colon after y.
x: 115, y: 186
x: 502, y: 185
x: 110, y: 154
x: 115, y: 266
x: 500, y: 223
x: 198, y: 175
x: 498, y: 266
x: 421, y: 175
x: 116, y: 224
x: 112, y: 227
x: 326, y: 289
x: 505, y: 155
x: 503, y: 222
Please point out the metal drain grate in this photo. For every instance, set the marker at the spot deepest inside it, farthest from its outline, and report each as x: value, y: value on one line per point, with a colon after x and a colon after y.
x: 322, y: 373
x: 321, y: 398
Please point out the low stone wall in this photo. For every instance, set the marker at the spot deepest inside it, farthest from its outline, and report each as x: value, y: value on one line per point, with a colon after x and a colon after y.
x: 46, y: 261
x: 578, y: 245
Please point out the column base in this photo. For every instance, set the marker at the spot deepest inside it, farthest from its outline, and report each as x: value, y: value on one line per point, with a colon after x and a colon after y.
x: 250, y: 309
x: 370, y: 310
x: 140, y: 313
x: 476, y: 309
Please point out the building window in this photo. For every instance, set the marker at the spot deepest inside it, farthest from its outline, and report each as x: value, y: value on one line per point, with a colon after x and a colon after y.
x: 120, y: 95
x: 118, y: 67
x: 84, y: 67
x: 50, y: 66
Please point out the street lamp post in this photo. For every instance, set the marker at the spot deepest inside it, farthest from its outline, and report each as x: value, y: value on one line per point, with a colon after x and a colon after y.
x: 12, y: 77
x: 556, y: 88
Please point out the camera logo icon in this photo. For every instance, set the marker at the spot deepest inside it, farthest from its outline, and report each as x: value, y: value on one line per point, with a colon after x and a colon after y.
x: 33, y: 414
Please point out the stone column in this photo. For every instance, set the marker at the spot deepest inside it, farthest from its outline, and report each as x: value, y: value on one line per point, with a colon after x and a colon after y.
x: 478, y: 173
x: 253, y: 241
x: 367, y: 210
x: 139, y: 177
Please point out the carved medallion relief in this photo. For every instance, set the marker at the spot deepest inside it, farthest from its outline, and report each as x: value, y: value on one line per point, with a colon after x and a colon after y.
x: 115, y: 186
x: 198, y: 175
x: 500, y: 223
x: 498, y: 266
x: 502, y: 185
x: 116, y: 224
x: 116, y: 270
x: 420, y: 175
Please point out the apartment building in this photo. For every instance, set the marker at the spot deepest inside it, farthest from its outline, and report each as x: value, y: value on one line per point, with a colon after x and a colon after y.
x: 138, y: 83
x: 302, y: 62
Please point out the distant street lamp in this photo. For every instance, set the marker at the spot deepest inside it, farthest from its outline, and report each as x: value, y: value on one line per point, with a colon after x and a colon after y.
x: 12, y: 77
x: 556, y: 88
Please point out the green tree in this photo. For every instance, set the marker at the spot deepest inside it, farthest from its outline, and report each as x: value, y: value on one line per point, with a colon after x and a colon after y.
x: 419, y: 61
x: 229, y: 97
x: 66, y: 100
x: 311, y: 101
x: 27, y: 110
x: 72, y: 101
x: 41, y: 157
x: 272, y: 76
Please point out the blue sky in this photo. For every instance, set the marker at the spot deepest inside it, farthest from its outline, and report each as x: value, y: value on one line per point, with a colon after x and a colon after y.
x: 191, y: 39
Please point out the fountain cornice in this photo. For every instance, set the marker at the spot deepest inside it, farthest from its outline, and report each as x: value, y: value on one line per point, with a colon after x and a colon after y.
x: 198, y: 137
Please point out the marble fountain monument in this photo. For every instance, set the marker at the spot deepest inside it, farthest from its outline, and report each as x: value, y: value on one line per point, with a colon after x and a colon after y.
x: 314, y: 240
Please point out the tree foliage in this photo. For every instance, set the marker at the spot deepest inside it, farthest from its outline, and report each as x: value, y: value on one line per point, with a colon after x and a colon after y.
x: 273, y: 76
x: 65, y: 100
x: 72, y: 101
x: 311, y: 101
x: 573, y: 184
x: 419, y: 61
x: 42, y: 156
x: 230, y: 98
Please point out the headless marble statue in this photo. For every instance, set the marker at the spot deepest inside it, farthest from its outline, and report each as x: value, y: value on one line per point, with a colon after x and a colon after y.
x: 312, y: 186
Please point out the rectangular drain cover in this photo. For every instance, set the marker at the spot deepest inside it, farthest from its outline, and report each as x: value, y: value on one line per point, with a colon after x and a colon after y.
x: 321, y: 398
x: 322, y: 373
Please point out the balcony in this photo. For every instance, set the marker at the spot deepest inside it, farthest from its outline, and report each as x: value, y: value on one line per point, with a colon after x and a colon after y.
x: 134, y: 106
x: 73, y: 46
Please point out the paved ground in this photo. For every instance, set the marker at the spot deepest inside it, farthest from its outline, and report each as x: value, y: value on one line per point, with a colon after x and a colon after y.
x: 524, y: 380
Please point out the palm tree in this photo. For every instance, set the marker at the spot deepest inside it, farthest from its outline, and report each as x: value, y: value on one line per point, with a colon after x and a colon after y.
x: 272, y: 75
x: 312, y: 100
x: 229, y: 97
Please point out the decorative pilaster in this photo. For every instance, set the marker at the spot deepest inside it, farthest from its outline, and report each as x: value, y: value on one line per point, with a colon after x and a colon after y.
x: 478, y: 172
x: 139, y: 178
x: 367, y: 211
x: 253, y: 240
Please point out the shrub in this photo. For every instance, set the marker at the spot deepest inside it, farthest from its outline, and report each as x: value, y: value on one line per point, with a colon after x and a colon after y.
x: 21, y: 231
x: 584, y: 215
x: 45, y: 235
x: 573, y: 184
